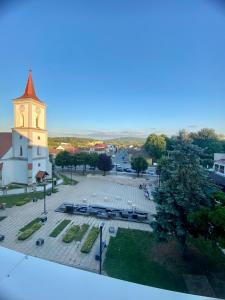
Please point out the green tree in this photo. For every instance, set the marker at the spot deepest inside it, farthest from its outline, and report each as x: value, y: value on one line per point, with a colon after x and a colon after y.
x: 104, y: 163
x: 155, y: 146
x: 210, y: 142
x: 63, y: 159
x: 93, y: 160
x: 185, y: 190
x: 139, y: 164
x: 209, y: 223
x: 82, y: 160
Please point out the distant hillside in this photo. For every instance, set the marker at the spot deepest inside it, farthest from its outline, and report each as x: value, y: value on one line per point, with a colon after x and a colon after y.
x: 85, y: 142
x: 74, y: 141
x: 126, y: 141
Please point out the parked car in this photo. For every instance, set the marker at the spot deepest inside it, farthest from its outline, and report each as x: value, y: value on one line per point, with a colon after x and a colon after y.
x: 119, y: 169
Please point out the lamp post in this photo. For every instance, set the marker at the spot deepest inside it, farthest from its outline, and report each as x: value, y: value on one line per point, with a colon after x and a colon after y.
x: 45, y: 212
x: 100, y: 256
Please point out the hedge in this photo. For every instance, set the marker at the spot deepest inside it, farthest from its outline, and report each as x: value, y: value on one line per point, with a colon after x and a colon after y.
x: 81, y: 232
x: 58, y: 229
x: 28, y: 232
x: 71, y: 233
x: 29, y: 225
x: 91, y: 238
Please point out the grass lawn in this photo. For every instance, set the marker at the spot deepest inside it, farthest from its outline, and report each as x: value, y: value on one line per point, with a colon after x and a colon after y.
x: 67, y: 180
x: 136, y: 256
x: 19, y: 199
x: 58, y: 229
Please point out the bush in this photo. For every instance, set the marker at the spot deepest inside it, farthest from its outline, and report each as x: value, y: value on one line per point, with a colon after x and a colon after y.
x: 20, y: 203
x: 71, y: 233
x: 59, y: 228
x: 81, y: 232
x: 91, y: 238
x: 29, y: 225
x: 28, y: 232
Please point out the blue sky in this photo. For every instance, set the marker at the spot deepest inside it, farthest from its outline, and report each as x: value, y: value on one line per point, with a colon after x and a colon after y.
x: 116, y: 68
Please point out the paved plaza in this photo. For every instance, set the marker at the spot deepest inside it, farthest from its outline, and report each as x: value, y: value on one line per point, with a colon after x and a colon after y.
x: 90, y: 190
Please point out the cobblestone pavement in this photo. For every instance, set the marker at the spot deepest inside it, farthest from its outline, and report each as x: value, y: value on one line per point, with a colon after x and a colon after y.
x: 88, y: 191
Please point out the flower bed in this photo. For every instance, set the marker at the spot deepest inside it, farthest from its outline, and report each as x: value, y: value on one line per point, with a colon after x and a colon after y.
x: 90, y: 240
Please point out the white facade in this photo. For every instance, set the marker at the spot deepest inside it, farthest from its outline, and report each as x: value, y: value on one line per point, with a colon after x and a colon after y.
x: 28, y: 153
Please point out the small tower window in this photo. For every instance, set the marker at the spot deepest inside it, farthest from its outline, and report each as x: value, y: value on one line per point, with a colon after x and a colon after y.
x: 37, y: 126
x: 38, y: 150
x: 22, y: 120
x: 21, y: 137
x: 39, y: 138
x: 21, y: 151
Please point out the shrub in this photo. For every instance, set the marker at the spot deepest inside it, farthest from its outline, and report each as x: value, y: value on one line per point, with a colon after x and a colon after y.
x: 29, y: 231
x: 29, y: 225
x: 91, y: 238
x: 81, y: 232
x: 71, y: 233
x: 59, y: 228
x: 20, y: 203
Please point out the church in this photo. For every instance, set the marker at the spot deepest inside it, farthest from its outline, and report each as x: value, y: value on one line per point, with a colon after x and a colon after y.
x: 24, y: 156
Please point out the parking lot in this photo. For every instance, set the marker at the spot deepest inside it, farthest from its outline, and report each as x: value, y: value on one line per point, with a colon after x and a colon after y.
x: 94, y: 190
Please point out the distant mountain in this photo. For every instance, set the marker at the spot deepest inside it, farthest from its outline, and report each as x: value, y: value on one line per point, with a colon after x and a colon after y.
x: 85, y: 142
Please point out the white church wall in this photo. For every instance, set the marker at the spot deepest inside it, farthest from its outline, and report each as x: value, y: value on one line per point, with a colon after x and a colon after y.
x: 14, y: 171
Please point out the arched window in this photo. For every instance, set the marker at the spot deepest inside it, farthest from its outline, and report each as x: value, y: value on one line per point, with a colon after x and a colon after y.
x: 21, y: 151
x: 37, y: 126
x: 22, y: 120
x: 38, y: 150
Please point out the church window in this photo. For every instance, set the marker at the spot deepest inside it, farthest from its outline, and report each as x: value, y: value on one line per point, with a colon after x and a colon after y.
x: 37, y: 126
x: 21, y: 137
x: 39, y: 164
x: 39, y: 138
x: 38, y: 150
x: 22, y: 120
x: 21, y: 151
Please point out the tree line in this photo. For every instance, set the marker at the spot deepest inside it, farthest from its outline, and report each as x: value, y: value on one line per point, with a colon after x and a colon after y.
x: 206, y: 139
x: 101, y: 161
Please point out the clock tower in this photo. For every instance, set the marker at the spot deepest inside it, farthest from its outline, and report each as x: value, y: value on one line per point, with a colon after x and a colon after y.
x: 29, y: 135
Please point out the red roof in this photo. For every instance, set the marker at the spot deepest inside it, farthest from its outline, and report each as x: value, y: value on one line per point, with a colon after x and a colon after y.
x: 30, y: 91
x: 100, y: 146
x: 5, y: 142
x: 41, y: 174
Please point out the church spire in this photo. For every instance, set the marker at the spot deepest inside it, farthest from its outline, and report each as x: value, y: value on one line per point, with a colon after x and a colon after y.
x: 30, y: 91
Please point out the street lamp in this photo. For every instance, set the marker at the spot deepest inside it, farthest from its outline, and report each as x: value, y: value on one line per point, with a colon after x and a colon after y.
x: 45, y: 212
x: 100, y: 256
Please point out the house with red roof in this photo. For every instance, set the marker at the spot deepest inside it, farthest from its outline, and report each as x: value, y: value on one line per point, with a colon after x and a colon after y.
x: 24, y: 151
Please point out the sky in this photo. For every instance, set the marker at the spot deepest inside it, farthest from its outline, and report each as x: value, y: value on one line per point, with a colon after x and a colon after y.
x: 109, y: 68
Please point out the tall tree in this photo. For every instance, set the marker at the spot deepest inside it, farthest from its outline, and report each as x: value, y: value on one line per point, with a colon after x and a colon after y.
x: 82, y: 160
x: 63, y: 159
x: 210, y: 142
x: 104, y: 163
x: 93, y: 160
x: 139, y: 164
x: 155, y: 146
x: 186, y: 189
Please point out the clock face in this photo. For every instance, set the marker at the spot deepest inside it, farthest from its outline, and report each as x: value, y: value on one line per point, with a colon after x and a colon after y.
x: 22, y: 108
x: 38, y: 110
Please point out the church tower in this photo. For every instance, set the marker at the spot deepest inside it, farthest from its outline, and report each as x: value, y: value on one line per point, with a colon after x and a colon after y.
x: 29, y: 135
